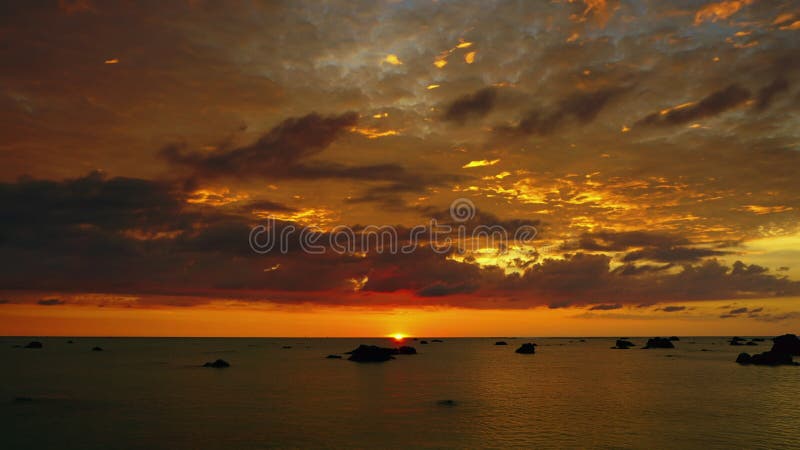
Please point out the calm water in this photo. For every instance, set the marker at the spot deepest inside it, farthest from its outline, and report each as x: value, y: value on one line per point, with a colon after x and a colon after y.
x: 150, y: 393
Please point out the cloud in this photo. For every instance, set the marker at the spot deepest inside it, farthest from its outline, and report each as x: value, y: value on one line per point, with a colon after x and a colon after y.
x: 714, y: 104
x: 670, y: 309
x: 471, y: 106
x: 50, y: 302
x: 713, y: 12
x: 580, y: 107
x: 605, y: 307
x: 767, y: 94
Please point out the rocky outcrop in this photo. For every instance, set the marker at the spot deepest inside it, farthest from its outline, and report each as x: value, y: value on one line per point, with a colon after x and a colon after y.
x: 371, y: 353
x: 34, y: 344
x: 334, y: 357
x: 527, y: 349
x: 218, y: 364
x: 787, y: 343
x: 659, y: 342
x: 501, y: 343
x: 674, y: 338
x: 437, y: 340
x: 736, y: 340
x: 770, y: 358
x: 97, y: 349
x: 423, y: 342
x: 623, y: 344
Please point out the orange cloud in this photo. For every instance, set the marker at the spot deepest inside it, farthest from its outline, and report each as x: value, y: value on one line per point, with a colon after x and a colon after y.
x: 714, y: 12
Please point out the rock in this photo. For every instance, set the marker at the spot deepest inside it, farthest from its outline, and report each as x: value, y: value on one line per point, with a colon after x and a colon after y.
x: 437, y: 340
x: 736, y: 340
x: 788, y: 343
x: 623, y: 344
x: 751, y: 343
x: 97, y: 349
x: 757, y: 339
x: 501, y: 343
x: 334, y: 357
x: 423, y: 342
x: 70, y: 342
x: 527, y: 349
x: 218, y: 364
x: 659, y: 342
x: 674, y: 338
x: 405, y: 350
x: 371, y: 353
x: 770, y: 358
x: 34, y: 344
x: 287, y: 346
x: 446, y: 402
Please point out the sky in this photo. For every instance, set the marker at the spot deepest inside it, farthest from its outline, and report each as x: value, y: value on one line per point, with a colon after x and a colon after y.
x: 650, y: 148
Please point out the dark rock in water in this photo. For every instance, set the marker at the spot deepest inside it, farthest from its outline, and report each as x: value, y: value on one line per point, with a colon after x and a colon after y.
x: 674, y: 338
x: 405, y: 350
x: 770, y: 358
x: 371, y: 353
x: 736, y: 340
x: 97, y: 349
x: 34, y: 344
x: 287, y: 346
x: 218, y: 364
x: 334, y: 357
x: 704, y: 350
x: 70, y: 342
x: 437, y: 340
x: 751, y: 343
x: 623, y: 344
x: 446, y: 403
x: 582, y: 340
x: 659, y: 342
x: 501, y: 343
x: 423, y: 342
x: 527, y: 349
x: 788, y: 343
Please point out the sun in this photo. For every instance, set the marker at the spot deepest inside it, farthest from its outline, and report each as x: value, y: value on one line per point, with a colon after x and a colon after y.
x: 398, y: 337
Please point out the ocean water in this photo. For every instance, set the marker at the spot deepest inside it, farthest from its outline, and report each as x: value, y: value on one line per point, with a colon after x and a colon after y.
x: 152, y: 394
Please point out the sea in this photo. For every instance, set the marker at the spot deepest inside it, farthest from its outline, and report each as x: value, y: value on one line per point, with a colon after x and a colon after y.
x: 153, y: 393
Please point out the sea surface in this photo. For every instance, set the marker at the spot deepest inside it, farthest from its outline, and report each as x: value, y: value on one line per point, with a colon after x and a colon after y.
x: 152, y: 393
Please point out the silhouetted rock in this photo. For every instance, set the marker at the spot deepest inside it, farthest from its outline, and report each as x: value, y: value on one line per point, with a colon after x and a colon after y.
x: 447, y: 402
x: 787, y: 343
x: 423, y: 342
x: 501, y: 343
x: 97, y: 349
x: 334, y: 357
x: 405, y: 350
x: 674, y: 338
x: 770, y: 358
x: 623, y: 344
x: 527, y: 349
x: 287, y: 346
x: 371, y: 353
x: 736, y: 340
x: 34, y: 344
x: 659, y: 342
x: 437, y: 340
x: 70, y: 342
x: 218, y: 364
x: 751, y: 343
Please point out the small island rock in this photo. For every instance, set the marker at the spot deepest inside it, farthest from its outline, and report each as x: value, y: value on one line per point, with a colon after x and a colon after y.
x: 34, y: 344
x: 218, y: 364
x: 527, y: 349
x: 659, y: 342
x: 788, y: 343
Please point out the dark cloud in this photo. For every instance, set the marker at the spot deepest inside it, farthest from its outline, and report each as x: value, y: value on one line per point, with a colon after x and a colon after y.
x: 714, y: 104
x: 766, y: 95
x: 50, y: 302
x: 582, y: 107
x: 672, y: 254
x: 606, y: 307
x: 672, y: 308
x: 278, y: 151
x: 471, y: 106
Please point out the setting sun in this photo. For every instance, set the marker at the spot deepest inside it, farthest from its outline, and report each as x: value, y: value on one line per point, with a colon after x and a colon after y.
x: 398, y: 336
